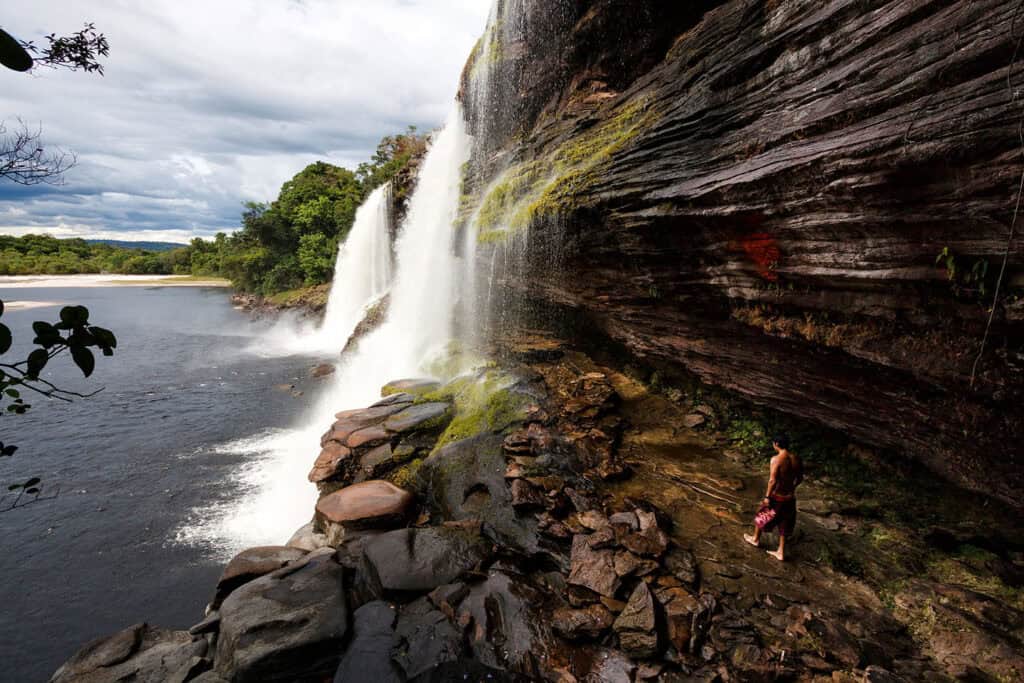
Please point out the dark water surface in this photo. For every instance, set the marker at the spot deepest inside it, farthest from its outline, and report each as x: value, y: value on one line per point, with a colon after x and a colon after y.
x: 131, y: 464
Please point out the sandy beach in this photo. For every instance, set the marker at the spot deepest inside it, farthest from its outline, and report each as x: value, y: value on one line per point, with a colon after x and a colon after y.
x: 19, y: 281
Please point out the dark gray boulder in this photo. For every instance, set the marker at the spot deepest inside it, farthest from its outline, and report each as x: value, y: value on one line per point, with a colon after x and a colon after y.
x: 425, y: 639
x: 286, y: 626
x: 512, y: 630
x: 250, y: 564
x: 417, y: 560
x: 368, y: 655
x: 139, y: 653
x: 466, y: 480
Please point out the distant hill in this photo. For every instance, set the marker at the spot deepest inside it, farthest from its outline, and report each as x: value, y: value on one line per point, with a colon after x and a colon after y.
x: 149, y: 246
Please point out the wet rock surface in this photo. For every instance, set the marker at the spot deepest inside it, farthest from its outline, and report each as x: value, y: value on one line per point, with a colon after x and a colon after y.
x: 288, y: 625
x: 367, y: 505
x: 368, y: 655
x: 420, y: 560
x: 140, y: 653
x: 721, y: 234
x: 251, y: 564
x: 511, y: 555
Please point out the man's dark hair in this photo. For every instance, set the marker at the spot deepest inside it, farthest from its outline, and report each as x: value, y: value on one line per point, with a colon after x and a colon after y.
x: 782, y: 441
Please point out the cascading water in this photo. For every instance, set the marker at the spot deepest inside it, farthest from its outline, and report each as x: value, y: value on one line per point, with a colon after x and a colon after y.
x: 362, y: 276
x: 424, y: 296
x: 362, y: 273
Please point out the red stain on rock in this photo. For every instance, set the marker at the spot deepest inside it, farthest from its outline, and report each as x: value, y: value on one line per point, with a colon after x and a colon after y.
x: 763, y: 250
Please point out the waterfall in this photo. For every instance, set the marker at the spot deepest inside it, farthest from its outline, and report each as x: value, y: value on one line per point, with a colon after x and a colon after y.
x: 425, y: 293
x: 362, y: 276
x: 362, y: 273
x: 426, y: 288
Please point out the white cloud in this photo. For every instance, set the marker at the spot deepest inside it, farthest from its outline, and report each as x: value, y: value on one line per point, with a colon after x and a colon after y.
x: 215, y: 103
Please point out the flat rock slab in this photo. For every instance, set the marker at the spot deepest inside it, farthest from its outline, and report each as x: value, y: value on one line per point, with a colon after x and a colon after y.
x: 253, y: 563
x: 394, y: 399
x: 423, y: 559
x: 350, y: 421
x: 370, y: 437
x: 417, y: 387
x: 422, y: 417
x: 289, y: 625
x: 369, y: 505
x: 330, y: 462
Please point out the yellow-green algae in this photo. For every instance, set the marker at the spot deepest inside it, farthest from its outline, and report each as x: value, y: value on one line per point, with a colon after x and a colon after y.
x: 484, y: 403
x: 546, y: 187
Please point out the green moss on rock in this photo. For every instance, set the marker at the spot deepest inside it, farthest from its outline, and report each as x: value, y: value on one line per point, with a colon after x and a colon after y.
x: 483, y: 404
x: 544, y: 188
x: 407, y: 476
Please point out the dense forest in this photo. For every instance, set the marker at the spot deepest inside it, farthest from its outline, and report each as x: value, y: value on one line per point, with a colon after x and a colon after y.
x: 288, y: 243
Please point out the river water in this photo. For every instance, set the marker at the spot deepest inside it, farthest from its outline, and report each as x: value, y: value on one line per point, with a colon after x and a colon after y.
x: 149, y: 482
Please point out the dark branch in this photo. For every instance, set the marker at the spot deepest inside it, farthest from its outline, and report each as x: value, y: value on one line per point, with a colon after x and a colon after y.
x: 77, y: 52
x: 24, y: 160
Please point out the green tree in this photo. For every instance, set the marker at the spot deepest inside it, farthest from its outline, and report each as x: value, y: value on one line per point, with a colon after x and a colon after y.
x: 316, y: 257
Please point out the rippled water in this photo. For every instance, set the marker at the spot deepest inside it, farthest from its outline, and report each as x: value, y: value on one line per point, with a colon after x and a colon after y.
x: 152, y: 473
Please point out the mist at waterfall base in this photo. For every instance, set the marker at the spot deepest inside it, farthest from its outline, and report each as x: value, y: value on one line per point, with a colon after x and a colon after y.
x: 425, y: 288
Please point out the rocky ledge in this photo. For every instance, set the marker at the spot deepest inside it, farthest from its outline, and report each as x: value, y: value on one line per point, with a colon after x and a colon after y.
x: 806, y: 203
x: 498, y: 528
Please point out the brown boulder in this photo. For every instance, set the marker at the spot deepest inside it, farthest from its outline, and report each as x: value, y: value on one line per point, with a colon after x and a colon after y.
x: 369, y: 505
x: 679, y: 607
x: 628, y: 564
x: 350, y: 421
x: 636, y: 626
x: 329, y: 463
x: 416, y: 387
x: 593, y: 569
x: 322, y: 370
x: 593, y: 520
x: 650, y: 543
x: 578, y: 624
x: 251, y: 564
x: 370, y: 437
x: 526, y: 496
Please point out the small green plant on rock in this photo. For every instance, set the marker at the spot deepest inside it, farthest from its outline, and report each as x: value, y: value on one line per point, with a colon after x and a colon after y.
x: 964, y: 281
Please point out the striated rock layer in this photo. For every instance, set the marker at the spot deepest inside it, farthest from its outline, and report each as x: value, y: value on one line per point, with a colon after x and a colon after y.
x: 805, y: 203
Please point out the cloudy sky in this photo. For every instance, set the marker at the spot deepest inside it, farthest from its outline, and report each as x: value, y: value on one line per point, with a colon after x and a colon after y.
x: 209, y: 103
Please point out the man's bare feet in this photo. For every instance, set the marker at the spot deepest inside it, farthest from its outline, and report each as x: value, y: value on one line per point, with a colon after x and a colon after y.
x: 777, y: 554
x: 751, y: 540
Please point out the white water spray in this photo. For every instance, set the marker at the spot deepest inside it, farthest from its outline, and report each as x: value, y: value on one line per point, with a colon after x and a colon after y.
x: 362, y: 273
x: 276, y: 499
x: 362, y: 276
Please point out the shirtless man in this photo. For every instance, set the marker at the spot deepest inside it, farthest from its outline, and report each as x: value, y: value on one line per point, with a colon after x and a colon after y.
x: 787, y: 471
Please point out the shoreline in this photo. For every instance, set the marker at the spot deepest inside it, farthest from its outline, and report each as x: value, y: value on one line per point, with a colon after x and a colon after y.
x: 57, y: 281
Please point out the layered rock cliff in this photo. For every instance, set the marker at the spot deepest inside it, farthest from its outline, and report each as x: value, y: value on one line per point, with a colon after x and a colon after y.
x: 805, y: 203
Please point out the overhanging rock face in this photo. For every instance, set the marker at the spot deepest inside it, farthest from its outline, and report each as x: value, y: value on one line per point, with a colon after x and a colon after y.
x: 806, y: 203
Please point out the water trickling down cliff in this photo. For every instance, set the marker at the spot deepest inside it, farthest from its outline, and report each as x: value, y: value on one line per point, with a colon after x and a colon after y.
x: 804, y: 203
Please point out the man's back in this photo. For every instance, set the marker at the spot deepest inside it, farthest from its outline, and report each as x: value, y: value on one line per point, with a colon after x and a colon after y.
x: 788, y: 474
